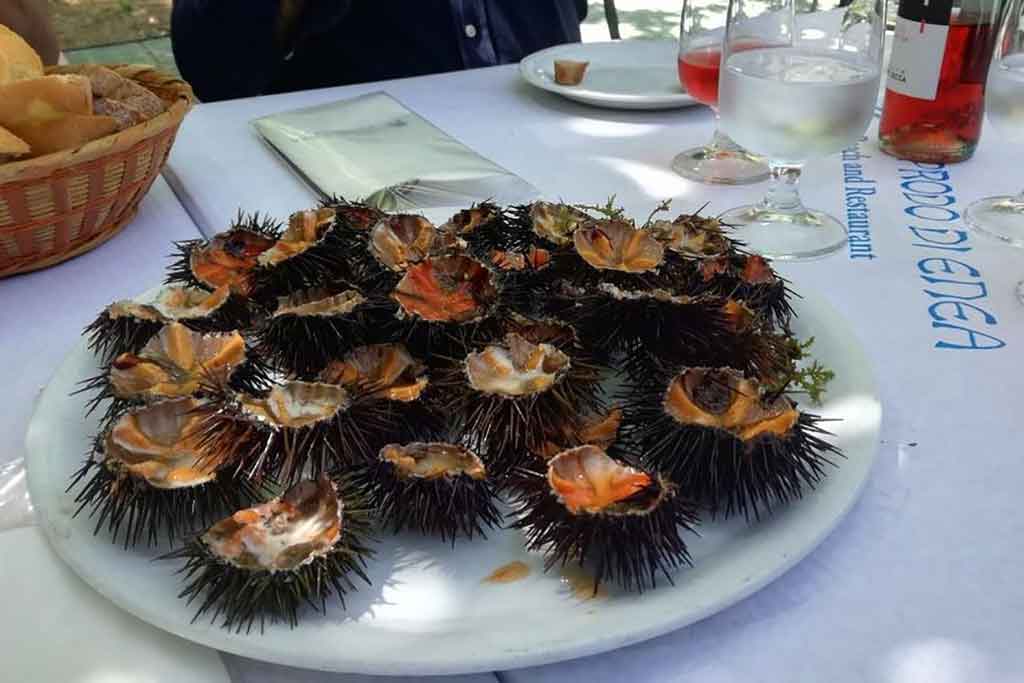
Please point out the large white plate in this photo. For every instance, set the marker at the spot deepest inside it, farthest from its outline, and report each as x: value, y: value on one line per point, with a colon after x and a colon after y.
x: 428, y: 611
x: 623, y: 74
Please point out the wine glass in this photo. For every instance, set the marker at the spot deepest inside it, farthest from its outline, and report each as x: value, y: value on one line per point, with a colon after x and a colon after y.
x: 807, y: 89
x: 721, y: 161
x: 1003, y: 216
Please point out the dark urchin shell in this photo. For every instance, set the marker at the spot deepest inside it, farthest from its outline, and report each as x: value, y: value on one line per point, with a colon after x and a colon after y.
x: 630, y: 548
x: 131, y: 509
x: 509, y: 431
x: 449, y: 506
x: 148, y: 477
x: 642, y: 325
x: 251, y: 375
x: 240, y: 598
x: 731, y: 336
x: 390, y: 390
x: 252, y: 228
x: 743, y: 277
x: 719, y: 468
x: 353, y: 215
x: 308, y: 254
x: 300, y: 340
x: 110, y: 335
x: 257, y: 446
x: 126, y: 326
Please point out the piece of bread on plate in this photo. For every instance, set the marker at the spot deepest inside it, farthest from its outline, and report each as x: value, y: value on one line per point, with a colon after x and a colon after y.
x: 66, y: 132
x: 44, y: 98
x: 18, y: 60
x: 11, y: 146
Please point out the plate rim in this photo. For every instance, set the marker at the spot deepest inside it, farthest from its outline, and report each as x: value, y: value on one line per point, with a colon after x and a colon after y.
x: 606, y: 100
x: 472, y: 661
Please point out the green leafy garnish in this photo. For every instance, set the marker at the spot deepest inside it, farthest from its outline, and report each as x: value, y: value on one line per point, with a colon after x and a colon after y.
x: 804, y: 377
x: 608, y: 210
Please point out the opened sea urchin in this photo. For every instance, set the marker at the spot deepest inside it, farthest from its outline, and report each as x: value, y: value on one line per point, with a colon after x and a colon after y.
x: 148, y: 476
x: 263, y: 563
x: 722, y: 440
x: 622, y: 523
x: 433, y: 488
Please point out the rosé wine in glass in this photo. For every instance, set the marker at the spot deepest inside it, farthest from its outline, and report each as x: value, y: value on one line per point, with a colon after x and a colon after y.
x: 721, y: 161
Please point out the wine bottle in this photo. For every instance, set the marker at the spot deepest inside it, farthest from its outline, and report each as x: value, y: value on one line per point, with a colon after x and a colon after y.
x: 935, y: 91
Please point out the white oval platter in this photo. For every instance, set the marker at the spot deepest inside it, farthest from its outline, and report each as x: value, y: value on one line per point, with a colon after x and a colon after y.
x: 428, y: 610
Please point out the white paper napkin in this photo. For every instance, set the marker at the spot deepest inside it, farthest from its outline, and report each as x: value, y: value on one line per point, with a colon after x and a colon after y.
x: 374, y: 148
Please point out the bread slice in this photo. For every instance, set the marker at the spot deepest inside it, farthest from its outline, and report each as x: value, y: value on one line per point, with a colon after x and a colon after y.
x: 66, y: 132
x: 125, y: 114
x: 11, y: 146
x: 44, y: 98
x: 18, y: 60
x: 110, y: 85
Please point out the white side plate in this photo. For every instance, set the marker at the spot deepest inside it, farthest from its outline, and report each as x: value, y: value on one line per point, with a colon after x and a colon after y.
x: 428, y: 611
x: 623, y: 74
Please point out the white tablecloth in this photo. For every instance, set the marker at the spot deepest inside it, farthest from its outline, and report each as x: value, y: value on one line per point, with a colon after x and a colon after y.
x: 921, y: 583
x: 42, y: 313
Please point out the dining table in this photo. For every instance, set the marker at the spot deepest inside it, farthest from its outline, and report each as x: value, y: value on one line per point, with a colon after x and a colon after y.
x: 922, y: 581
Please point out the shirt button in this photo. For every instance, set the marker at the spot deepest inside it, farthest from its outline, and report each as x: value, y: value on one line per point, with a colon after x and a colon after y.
x: 470, y: 31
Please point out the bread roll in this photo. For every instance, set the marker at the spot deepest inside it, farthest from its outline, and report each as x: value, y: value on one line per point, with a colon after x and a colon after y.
x: 43, y: 99
x: 110, y: 85
x: 11, y: 146
x: 17, y: 58
x: 66, y: 132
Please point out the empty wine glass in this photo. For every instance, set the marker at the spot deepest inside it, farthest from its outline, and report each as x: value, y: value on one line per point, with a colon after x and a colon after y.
x: 807, y: 89
x: 1003, y: 216
x: 721, y: 161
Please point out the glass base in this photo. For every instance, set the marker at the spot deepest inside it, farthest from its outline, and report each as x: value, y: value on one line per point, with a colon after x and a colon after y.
x: 782, y: 235
x: 999, y: 217
x: 720, y: 166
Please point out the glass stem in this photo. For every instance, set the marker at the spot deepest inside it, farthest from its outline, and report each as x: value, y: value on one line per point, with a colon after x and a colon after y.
x: 784, y: 195
x: 717, y: 139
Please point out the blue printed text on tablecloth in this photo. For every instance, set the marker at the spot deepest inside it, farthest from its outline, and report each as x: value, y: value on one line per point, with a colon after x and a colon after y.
x: 955, y: 290
x: 856, y: 191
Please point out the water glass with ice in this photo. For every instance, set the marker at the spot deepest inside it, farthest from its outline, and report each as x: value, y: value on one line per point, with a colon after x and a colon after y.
x: 808, y: 90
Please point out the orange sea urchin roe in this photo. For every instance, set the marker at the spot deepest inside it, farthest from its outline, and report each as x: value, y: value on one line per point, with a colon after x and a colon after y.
x: 385, y: 371
x: 756, y: 270
x: 468, y: 220
x: 617, y: 245
x: 446, y: 289
x: 401, y: 240
x: 175, y: 362
x: 304, y: 229
x: 738, y: 316
x: 281, y: 534
x: 586, y: 479
x: 157, y: 443
x: 433, y: 460
x: 228, y: 258
x: 726, y: 400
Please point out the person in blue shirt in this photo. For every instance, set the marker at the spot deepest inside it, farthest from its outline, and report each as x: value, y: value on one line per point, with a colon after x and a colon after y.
x: 240, y: 48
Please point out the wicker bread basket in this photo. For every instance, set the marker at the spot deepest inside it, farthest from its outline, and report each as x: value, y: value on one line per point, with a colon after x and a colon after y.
x: 61, y: 205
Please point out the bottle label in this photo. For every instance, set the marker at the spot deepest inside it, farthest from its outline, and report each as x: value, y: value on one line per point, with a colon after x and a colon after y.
x: 918, y: 45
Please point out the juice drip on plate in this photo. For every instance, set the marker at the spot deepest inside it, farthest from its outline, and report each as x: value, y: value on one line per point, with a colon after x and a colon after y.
x: 581, y: 583
x: 507, y: 573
